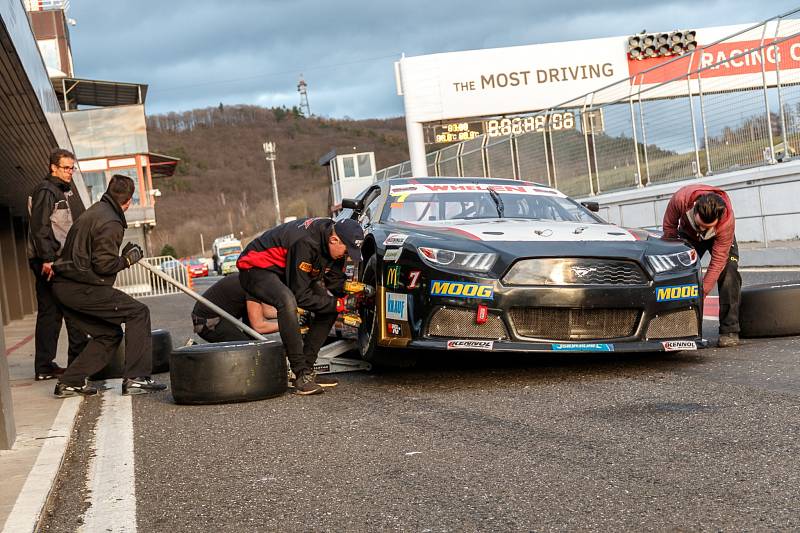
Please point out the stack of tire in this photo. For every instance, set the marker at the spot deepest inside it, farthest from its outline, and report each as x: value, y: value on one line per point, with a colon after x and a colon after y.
x: 770, y: 310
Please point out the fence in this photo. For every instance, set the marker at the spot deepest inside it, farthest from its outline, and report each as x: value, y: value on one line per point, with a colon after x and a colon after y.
x: 137, y: 281
x: 728, y: 105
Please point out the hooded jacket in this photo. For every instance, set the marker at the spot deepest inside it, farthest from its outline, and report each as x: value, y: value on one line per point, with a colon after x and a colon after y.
x: 677, y: 224
x: 91, y: 251
x: 53, y: 207
x: 298, y: 252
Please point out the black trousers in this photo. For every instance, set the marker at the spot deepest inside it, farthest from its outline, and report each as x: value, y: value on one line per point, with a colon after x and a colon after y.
x: 222, y: 331
x: 100, y: 311
x: 48, y: 326
x: 729, y: 286
x: 267, y: 287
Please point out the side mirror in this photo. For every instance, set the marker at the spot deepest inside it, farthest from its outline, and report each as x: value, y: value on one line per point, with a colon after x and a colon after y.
x: 355, y: 205
x: 594, y: 207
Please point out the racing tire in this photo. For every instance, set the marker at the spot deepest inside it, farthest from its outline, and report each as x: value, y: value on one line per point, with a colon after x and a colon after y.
x: 227, y: 372
x: 367, y: 333
x: 770, y: 310
x: 162, y: 348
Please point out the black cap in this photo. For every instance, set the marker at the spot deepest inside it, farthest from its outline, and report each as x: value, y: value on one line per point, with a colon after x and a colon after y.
x: 351, y: 234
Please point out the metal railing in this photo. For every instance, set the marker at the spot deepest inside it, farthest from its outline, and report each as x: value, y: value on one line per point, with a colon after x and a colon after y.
x: 139, y: 282
x: 686, y: 118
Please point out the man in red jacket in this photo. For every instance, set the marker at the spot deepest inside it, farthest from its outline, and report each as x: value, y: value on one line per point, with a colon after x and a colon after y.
x: 703, y: 216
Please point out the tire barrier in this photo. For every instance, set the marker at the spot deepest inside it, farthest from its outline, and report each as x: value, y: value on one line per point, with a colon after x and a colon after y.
x: 162, y: 348
x: 770, y: 310
x: 226, y: 372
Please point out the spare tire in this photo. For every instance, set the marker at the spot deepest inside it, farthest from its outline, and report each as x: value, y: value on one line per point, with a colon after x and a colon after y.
x: 770, y: 310
x: 225, y: 372
x: 162, y: 348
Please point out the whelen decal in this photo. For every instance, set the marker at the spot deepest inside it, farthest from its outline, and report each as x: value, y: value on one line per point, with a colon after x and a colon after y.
x: 395, y: 239
x: 676, y: 292
x: 461, y: 289
x: 674, y: 346
x: 467, y: 344
x: 396, y: 306
x: 392, y: 254
x: 583, y: 347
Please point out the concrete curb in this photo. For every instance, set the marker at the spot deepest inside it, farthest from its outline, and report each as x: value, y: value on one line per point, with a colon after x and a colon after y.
x: 32, y: 498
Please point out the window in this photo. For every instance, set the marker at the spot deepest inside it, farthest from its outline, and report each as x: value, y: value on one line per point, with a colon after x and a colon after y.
x: 349, y: 167
x: 364, y: 165
x: 96, y: 185
x: 131, y: 173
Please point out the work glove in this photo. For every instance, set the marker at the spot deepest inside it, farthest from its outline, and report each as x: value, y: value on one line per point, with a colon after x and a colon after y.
x: 132, y: 253
x: 347, y: 304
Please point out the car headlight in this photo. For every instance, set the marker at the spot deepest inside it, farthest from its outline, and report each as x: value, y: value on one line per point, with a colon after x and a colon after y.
x: 676, y: 261
x: 473, y: 261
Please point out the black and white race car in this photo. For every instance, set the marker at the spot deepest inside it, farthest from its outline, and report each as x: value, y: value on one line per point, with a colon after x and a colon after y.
x: 504, y: 265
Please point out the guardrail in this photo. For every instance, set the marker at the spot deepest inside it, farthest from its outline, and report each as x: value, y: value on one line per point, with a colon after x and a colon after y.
x: 138, y: 282
x: 683, y: 119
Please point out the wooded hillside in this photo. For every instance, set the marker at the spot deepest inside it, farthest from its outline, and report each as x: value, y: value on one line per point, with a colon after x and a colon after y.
x: 223, y: 185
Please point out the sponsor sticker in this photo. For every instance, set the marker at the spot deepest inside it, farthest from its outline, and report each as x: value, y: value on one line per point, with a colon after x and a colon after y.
x: 583, y: 347
x: 468, y: 344
x: 394, y: 329
x: 395, y: 239
x: 461, y: 289
x: 676, y: 292
x: 305, y: 267
x: 428, y: 188
x: 675, y: 346
x: 413, y: 279
x: 396, y: 306
x: 393, y: 254
x: 393, y: 277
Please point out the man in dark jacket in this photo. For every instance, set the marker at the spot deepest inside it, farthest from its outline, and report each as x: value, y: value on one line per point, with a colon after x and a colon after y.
x: 85, y: 275
x: 703, y: 216
x: 53, y: 207
x: 301, y: 264
x: 228, y: 294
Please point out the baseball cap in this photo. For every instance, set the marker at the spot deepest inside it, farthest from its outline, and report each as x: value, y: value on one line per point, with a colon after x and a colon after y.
x: 351, y: 234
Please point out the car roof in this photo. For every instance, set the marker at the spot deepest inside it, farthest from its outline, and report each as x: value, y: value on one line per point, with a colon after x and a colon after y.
x: 465, y: 179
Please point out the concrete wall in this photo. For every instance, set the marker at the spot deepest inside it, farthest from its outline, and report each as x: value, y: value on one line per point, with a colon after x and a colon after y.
x: 766, y: 201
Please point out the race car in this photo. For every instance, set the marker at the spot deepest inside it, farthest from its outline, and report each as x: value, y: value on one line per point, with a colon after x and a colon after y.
x: 505, y: 265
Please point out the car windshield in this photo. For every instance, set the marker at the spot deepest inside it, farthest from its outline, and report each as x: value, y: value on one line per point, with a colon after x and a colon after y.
x: 230, y: 259
x: 459, y: 201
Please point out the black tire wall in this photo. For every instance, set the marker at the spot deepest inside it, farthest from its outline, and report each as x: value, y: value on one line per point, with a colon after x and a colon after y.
x: 770, y: 310
x: 162, y: 348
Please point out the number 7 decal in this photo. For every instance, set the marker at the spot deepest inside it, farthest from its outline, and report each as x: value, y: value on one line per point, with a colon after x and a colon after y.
x: 413, y: 279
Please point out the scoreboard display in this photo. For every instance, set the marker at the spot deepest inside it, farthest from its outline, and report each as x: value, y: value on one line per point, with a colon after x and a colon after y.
x: 466, y: 130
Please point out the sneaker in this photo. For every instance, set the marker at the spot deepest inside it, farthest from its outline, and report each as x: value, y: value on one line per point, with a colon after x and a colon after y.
x: 63, y: 390
x: 726, y: 340
x: 142, y: 385
x: 51, y: 374
x: 325, y: 381
x: 304, y: 384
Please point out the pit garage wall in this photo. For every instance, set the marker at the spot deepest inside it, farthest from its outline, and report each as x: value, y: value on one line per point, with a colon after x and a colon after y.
x: 766, y: 202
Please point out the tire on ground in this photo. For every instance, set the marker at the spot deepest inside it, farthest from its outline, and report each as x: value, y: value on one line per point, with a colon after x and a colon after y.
x: 770, y: 310
x: 226, y: 372
x: 162, y: 348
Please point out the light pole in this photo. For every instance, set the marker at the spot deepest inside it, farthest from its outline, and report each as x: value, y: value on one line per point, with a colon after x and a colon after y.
x: 269, y: 151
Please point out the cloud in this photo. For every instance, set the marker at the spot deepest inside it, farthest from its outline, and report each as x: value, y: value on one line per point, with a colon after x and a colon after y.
x: 201, y: 52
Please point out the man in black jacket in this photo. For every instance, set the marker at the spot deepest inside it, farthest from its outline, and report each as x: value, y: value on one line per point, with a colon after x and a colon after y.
x: 301, y: 264
x: 53, y: 207
x: 85, y: 275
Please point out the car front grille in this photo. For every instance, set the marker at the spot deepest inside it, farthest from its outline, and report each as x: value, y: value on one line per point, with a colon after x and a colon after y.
x: 674, y: 325
x: 576, y: 271
x: 573, y: 324
x: 460, y: 323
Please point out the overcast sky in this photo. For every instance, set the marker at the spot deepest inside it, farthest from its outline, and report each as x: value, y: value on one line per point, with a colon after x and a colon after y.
x: 198, y: 53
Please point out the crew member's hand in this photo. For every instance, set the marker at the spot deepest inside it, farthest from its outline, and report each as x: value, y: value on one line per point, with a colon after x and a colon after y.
x: 47, y: 271
x: 132, y: 253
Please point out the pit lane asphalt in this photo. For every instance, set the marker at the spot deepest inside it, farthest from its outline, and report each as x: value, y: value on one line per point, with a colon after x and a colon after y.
x: 701, y: 440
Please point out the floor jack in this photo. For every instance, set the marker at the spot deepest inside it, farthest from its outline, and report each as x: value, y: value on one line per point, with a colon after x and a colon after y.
x: 328, y: 360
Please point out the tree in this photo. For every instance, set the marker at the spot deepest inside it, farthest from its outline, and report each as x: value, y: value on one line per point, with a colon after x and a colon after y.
x: 169, y: 250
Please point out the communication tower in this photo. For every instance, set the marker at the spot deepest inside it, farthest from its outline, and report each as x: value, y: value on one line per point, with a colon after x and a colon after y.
x: 302, y: 88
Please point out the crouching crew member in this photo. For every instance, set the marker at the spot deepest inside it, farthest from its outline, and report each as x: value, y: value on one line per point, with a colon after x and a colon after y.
x: 301, y: 264
x: 85, y: 275
x: 228, y: 294
x: 703, y: 216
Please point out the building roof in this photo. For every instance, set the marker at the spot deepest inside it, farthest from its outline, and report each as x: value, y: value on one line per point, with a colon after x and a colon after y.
x: 342, y: 150
x: 162, y: 166
x: 100, y: 93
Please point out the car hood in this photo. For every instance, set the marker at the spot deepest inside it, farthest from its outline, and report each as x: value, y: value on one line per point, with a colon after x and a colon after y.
x: 521, y: 230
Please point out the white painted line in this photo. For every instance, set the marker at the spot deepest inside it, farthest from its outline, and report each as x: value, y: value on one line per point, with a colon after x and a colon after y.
x: 111, y: 481
x: 31, y: 500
